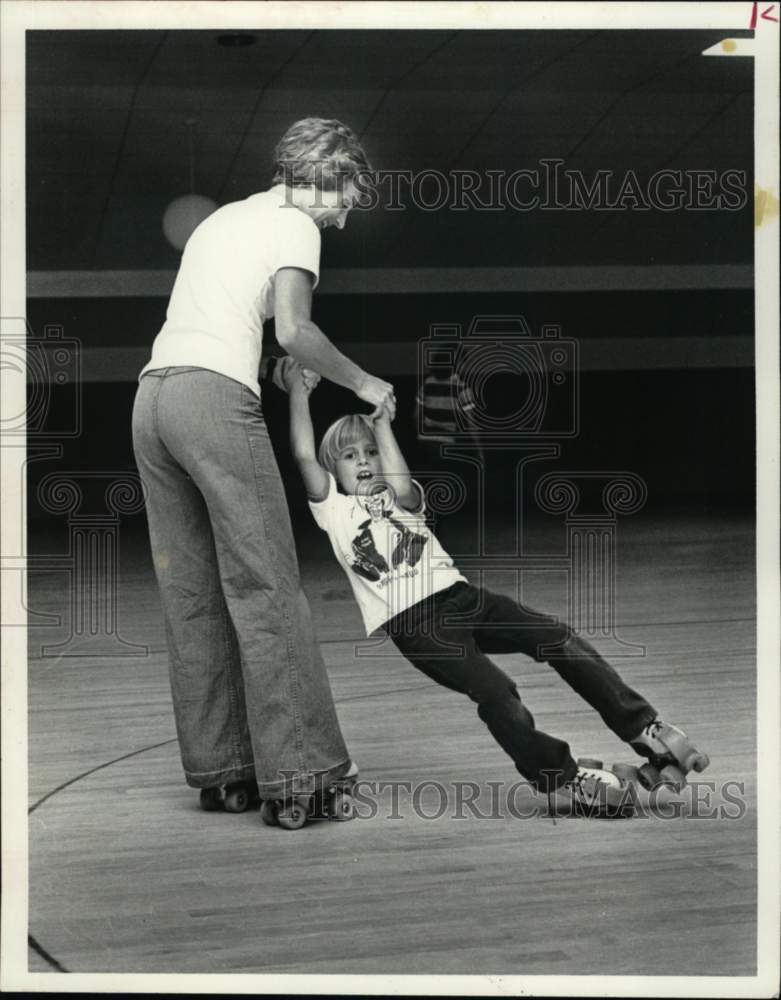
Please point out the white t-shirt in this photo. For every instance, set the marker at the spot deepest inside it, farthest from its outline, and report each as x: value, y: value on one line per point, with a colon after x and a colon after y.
x: 390, y: 557
x: 225, y: 286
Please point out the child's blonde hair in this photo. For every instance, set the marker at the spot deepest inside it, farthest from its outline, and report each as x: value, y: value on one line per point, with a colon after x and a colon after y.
x: 340, y: 435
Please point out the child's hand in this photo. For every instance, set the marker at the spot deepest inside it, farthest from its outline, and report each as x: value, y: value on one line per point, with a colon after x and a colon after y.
x: 382, y: 416
x: 311, y: 379
x: 298, y: 379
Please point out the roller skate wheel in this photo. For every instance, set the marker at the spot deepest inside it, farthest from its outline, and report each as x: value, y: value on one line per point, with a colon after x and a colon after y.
x: 211, y: 799
x: 590, y: 762
x: 269, y: 811
x: 673, y: 776
x: 340, y: 806
x: 649, y: 777
x: 292, y: 817
x: 236, y: 799
x: 625, y: 772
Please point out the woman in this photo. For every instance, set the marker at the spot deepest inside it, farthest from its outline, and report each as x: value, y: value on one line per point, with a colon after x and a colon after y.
x: 250, y: 692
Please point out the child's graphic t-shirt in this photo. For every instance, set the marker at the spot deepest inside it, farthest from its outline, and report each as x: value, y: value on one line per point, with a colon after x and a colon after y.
x: 390, y: 557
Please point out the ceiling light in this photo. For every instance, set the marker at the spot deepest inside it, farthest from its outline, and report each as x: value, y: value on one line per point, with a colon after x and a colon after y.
x: 186, y: 213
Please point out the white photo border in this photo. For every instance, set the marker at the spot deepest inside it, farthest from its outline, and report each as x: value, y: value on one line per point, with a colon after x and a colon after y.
x: 17, y: 17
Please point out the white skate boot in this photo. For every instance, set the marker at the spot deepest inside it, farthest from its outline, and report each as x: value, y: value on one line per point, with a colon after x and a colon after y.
x: 595, y: 792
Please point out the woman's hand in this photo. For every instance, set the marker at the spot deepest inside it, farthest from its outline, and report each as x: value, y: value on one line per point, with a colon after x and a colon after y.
x: 378, y: 394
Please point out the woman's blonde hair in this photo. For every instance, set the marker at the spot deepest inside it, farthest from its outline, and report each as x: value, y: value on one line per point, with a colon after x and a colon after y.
x: 320, y: 151
x: 340, y: 435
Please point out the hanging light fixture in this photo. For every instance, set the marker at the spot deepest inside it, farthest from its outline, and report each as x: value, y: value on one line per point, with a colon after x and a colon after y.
x: 187, y: 212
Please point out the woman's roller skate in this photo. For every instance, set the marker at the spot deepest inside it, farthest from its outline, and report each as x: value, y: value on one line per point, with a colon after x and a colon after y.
x: 333, y: 800
x: 595, y: 792
x: 670, y: 757
x: 235, y: 797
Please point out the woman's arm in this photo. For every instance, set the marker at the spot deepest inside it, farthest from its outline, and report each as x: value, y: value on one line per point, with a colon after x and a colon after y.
x: 302, y: 435
x: 394, y: 465
x: 274, y: 366
x: 307, y: 343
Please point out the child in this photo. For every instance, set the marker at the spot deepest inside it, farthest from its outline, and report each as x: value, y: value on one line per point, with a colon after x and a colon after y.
x: 361, y: 493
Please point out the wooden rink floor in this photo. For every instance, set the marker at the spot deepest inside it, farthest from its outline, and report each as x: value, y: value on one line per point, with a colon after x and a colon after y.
x: 128, y: 875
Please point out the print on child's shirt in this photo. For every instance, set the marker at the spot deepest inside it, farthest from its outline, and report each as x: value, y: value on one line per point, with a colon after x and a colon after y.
x: 369, y: 562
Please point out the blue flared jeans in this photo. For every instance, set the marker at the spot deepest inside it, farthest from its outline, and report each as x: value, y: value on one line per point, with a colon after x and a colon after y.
x: 250, y: 690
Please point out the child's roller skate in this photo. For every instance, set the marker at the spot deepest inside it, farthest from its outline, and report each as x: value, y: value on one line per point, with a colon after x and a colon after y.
x: 235, y: 797
x: 333, y: 800
x: 670, y: 757
x: 595, y: 792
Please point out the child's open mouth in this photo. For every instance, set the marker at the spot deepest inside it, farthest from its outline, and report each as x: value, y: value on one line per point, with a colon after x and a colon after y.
x: 365, y: 474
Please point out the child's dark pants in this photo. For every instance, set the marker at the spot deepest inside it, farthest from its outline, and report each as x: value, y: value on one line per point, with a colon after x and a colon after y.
x: 448, y: 635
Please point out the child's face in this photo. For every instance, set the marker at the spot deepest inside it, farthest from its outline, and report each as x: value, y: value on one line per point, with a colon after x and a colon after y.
x: 358, y: 466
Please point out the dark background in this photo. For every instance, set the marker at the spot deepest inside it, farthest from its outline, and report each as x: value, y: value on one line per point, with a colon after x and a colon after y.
x: 688, y: 432
x: 107, y: 151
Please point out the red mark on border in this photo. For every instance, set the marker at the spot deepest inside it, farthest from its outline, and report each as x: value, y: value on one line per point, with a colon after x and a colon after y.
x: 765, y: 15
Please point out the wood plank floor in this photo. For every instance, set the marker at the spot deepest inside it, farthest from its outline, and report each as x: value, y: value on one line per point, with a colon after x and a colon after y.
x: 128, y: 875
